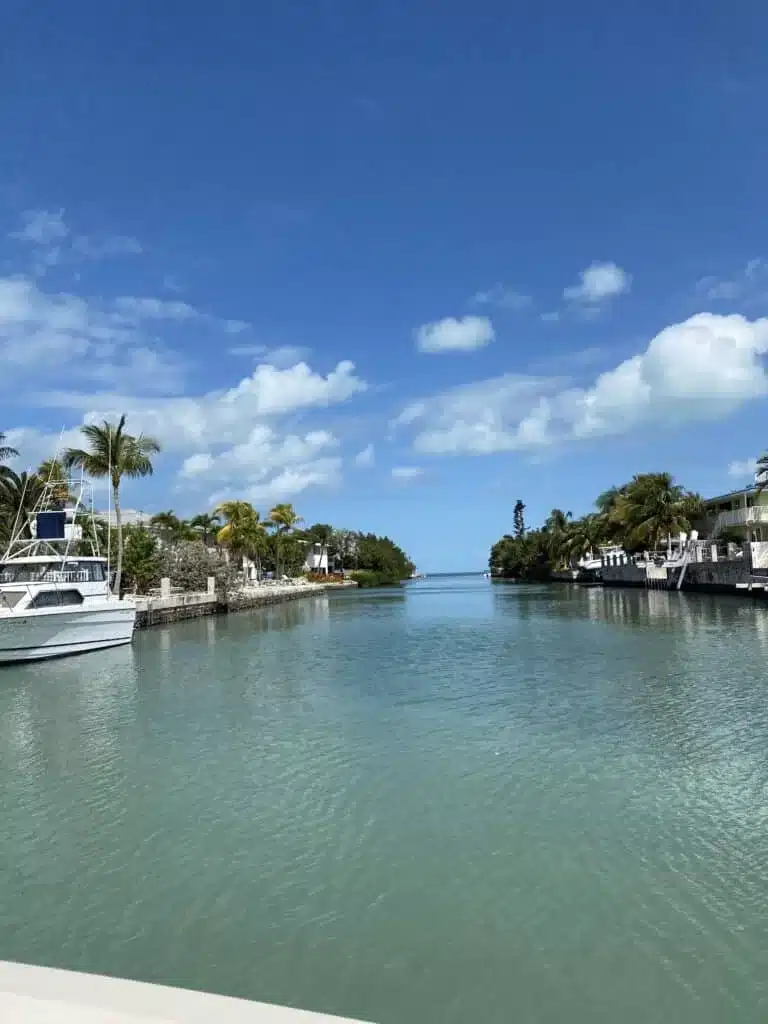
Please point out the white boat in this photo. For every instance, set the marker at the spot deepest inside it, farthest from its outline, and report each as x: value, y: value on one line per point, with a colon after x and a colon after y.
x: 55, y: 602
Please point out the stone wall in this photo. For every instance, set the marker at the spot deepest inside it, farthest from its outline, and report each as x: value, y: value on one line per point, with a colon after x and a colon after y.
x: 167, y: 608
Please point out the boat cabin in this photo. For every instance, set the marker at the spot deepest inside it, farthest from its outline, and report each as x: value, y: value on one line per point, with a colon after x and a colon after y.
x: 46, y: 581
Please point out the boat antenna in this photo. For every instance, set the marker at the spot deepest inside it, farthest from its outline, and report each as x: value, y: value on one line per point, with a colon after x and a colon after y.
x: 109, y: 508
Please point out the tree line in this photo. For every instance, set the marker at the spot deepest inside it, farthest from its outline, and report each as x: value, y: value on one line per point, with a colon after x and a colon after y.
x: 639, y: 515
x: 190, y: 549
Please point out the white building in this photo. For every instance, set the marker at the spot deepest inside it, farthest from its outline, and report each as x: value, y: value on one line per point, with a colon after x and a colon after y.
x: 317, y: 559
x: 129, y: 517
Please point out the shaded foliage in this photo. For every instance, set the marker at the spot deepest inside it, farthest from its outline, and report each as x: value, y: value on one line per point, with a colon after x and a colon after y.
x: 638, y: 515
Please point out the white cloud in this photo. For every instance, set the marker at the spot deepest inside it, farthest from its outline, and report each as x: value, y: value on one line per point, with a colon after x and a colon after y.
x: 550, y: 318
x: 455, y: 335
x: 701, y: 369
x: 406, y: 473
x: 34, y: 446
x: 503, y: 297
x: 155, y: 309
x: 746, y: 467
x: 235, y: 326
x: 282, y: 356
x: 599, y: 282
x: 366, y: 458
x: 45, y: 334
x: 41, y: 227
x: 288, y: 484
x: 749, y: 284
x: 260, y: 453
x: 267, y: 467
x: 226, y: 416
x: 48, y: 231
x: 103, y: 248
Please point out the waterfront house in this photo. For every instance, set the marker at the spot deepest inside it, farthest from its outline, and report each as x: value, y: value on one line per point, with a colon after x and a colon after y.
x: 316, y: 559
x: 742, y: 513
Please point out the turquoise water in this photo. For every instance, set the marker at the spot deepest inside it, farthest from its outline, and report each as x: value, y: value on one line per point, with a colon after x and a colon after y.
x: 459, y: 801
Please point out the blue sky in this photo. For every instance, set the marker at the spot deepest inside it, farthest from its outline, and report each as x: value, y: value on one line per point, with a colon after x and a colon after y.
x: 399, y: 264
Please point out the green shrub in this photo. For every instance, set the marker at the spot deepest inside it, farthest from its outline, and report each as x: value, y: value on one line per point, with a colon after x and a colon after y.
x: 375, y: 579
x: 141, y: 560
x: 189, y: 564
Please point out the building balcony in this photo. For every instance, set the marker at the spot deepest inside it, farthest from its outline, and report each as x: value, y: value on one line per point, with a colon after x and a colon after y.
x: 752, y: 516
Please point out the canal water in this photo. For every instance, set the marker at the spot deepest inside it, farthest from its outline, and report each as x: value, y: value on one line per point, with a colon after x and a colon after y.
x: 459, y: 801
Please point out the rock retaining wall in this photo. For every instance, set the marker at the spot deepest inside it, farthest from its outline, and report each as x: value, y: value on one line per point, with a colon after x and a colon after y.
x: 159, y: 611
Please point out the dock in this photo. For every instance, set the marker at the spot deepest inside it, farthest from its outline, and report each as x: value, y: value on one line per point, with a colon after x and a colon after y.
x: 45, y: 995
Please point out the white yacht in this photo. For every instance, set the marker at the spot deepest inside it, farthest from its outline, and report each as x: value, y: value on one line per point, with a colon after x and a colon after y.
x: 54, y: 602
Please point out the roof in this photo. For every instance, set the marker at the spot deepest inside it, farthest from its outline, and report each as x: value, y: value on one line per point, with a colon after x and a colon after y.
x: 43, y: 559
x: 750, y: 489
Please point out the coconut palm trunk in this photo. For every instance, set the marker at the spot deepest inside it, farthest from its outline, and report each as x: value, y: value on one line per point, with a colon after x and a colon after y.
x: 119, y: 530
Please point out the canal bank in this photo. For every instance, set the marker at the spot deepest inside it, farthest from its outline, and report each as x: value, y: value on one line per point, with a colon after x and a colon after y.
x: 169, y: 606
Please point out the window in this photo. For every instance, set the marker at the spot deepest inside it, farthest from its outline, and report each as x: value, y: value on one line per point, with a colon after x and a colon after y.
x: 23, y: 572
x: 55, y: 598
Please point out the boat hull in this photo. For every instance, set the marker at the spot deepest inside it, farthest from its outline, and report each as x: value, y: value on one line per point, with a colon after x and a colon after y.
x: 57, y: 632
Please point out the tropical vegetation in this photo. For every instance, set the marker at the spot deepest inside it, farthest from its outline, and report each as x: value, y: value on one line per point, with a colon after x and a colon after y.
x: 113, y: 453
x: 230, y: 540
x: 638, y: 515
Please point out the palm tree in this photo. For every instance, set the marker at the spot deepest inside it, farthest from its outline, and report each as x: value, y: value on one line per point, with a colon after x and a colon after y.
x: 557, y: 528
x: 113, y: 453
x: 206, y: 527
x: 170, y: 528
x: 284, y: 519
x: 585, y: 536
x: 6, y: 452
x: 19, y: 494
x: 761, y: 472
x: 652, y: 507
x: 243, y: 532
x: 55, y: 477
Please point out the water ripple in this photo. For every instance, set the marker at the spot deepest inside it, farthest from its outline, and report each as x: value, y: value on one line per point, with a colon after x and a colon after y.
x: 457, y: 801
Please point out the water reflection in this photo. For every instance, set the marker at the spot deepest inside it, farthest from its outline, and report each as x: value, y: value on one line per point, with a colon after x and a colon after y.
x: 277, y: 803
x: 638, y: 607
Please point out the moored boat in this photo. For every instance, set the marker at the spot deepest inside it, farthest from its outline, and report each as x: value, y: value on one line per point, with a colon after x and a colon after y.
x: 54, y: 601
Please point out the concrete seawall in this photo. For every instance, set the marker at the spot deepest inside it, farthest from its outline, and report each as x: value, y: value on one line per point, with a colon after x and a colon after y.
x: 42, y: 995
x: 159, y: 611
x: 723, y: 577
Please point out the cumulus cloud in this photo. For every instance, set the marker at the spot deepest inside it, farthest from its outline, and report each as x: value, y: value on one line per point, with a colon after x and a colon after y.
x: 701, y: 369
x: 745, y: 467
x: 599, y: 282
x: 269, y: 467
x: 366, y: 458
x: 503, y: 297
x: 406, y: 473
x: 455, y: 335
x: 225, y: 416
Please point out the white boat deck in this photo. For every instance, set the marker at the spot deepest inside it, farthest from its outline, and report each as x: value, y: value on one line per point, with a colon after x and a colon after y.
x: 42, y: 995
